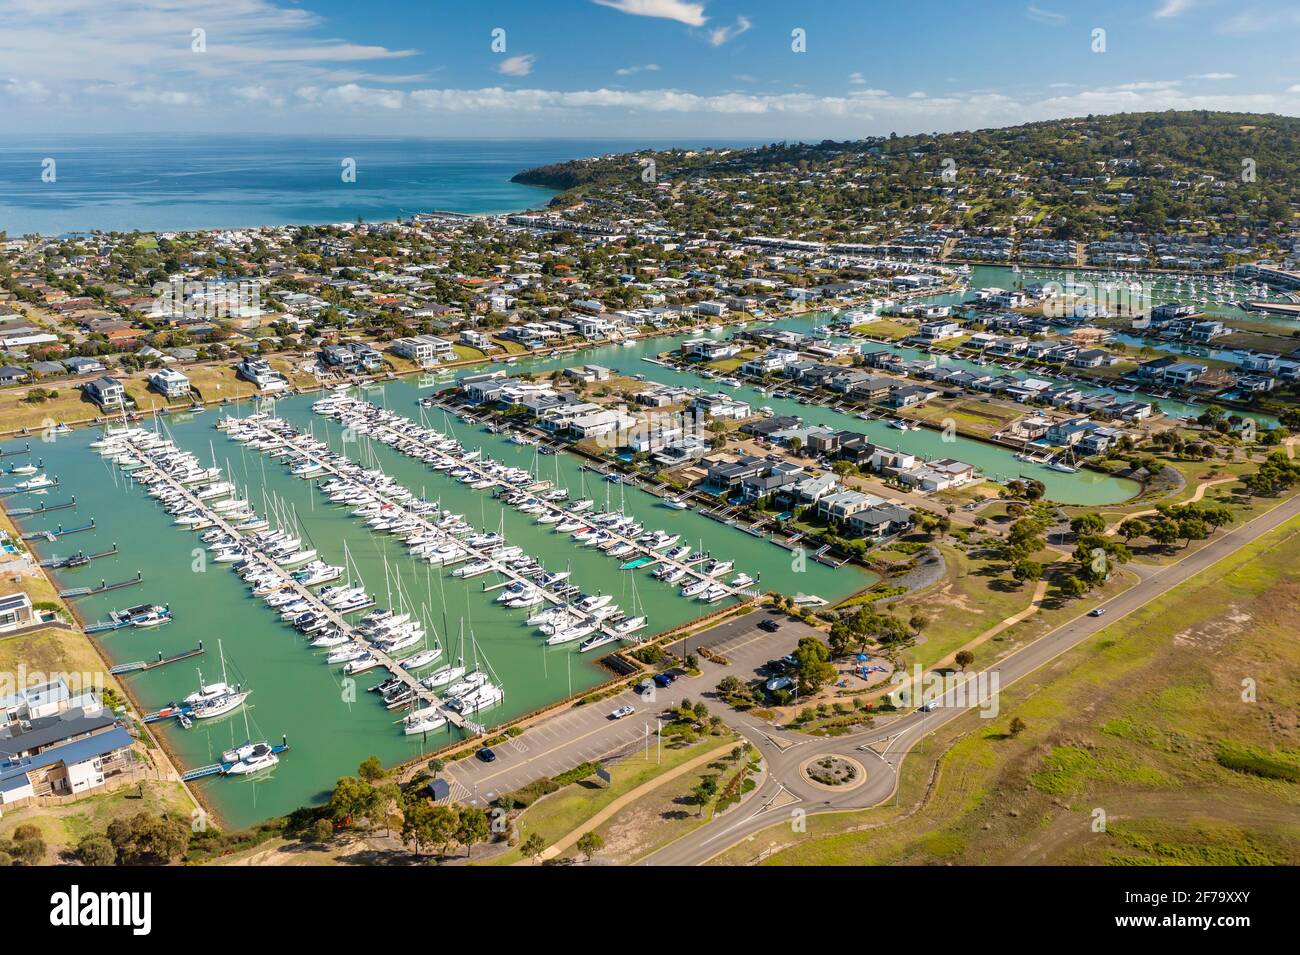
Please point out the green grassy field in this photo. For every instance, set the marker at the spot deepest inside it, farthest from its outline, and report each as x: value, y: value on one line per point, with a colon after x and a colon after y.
x: 1149, y: 728
x: 558, y: 814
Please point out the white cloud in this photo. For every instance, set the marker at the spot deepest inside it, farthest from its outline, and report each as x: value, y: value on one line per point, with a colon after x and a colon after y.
x: 520, y: 65
x: 857, y: 79
x: 134, y: 95
x: 350, y: 94
x: 1173, y: 8
x: 1213, y: 76
x: 145, y: 45
x: 643, y: 68
x: 1257, y: 21
x: 722, y: 35
x: 27, y: 91
x: 259, y: 94
x: 692, y: 14
x: 1039, y: 15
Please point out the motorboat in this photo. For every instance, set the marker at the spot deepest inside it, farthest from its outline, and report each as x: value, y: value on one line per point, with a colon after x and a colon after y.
x: 259, y: 756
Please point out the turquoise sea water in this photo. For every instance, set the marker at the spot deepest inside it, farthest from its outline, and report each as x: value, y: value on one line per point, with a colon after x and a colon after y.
x: 153, y: 183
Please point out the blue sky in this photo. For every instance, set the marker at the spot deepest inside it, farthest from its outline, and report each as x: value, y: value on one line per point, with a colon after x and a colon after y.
x: 697, y: 69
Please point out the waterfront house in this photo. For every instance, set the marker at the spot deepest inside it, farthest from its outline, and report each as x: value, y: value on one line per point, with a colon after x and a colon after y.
x: 16, y: 612
x: 938, y: 331
x: 910, y: 396
x: 844, y: 504
x: 727, y: 475
x: 261, y: 374
x: 881, y: 520
x: 720, y: 405
x: 424, y: 350
x: 108, y: 393
x: 72, y: 768
x: 708, y: 349
x: 169, y: 383
x: 1183, y: 374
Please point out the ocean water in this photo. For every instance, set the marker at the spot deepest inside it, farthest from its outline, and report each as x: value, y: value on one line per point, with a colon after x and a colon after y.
x: 157, y: 183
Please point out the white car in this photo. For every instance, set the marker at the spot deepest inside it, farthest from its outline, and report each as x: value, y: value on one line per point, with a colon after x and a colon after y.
x: 621, y: 712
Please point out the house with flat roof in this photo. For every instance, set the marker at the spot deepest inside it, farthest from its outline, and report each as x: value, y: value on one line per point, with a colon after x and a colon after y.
x: 424, y: 350
x: 16, y: 612
x: 844, y: 504
x: 169, y: 383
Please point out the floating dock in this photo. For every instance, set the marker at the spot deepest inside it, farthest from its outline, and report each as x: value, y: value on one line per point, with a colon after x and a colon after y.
x: 103, y: 587
x: 79, y: 559
x: 162, y: 661
x: 43, y: 509
x: 61, y: 531
x: 7, y: 491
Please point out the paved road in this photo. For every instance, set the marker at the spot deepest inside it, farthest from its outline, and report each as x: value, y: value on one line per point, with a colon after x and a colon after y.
x: 586, y: 733
x: 880, y: 750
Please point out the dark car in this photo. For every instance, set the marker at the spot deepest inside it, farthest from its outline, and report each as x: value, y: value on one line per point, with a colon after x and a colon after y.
x: 770, y: 625
x: 486, y: 754
x: 665, y: 680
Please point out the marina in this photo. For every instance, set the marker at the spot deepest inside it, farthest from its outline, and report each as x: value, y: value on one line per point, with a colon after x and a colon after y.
x: 333, y: 726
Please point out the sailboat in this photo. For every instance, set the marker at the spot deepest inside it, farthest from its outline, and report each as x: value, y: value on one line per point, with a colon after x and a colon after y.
x: 217, y: 699
x: 1057, y: 464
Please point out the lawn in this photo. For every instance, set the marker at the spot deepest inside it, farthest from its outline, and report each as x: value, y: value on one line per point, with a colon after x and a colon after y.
x: 661, y: 816
x: 63, y: 825
x: 560, y: 813
x: 1149, y: 721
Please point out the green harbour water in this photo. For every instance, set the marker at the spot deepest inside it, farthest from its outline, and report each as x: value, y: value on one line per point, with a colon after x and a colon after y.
x: 295, y: 694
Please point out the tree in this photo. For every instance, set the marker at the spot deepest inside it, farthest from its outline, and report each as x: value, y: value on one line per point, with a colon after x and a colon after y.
x: 354, y: 799
x: 417, y: 825
x: 812, y: 663
x: 704, y: 792
x: 533, y: 846
x: 146, y: 839
x: 589, y: 843
x: 1026, y: 570
x: 964, y: 658
x: 1072, y: 586
x: 1090, y: 523
x: 472, y: 828
x: 95, y: 849
x: 1017, y: 726
x: 371, y: 769
x: 1134, y: 528
x: 322, y: 831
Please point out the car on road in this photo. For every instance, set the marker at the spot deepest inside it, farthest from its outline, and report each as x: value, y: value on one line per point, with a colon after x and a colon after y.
x: 665, y: 680
x: 1096, y: 611
x: 486, y: 755
x: 622, y: 711
x: 770, y: 625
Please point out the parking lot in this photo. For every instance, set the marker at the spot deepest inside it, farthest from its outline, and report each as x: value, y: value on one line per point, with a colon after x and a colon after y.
x: 580, y: 734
